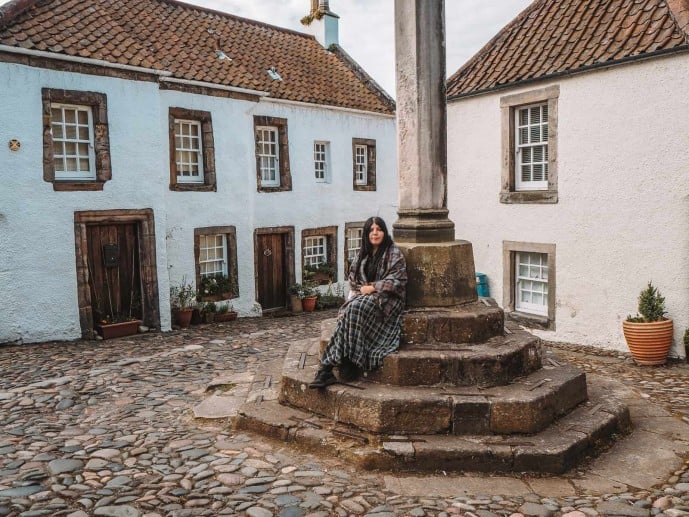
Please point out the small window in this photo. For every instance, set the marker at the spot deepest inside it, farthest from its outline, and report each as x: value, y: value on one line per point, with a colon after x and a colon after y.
x: 188, y: 151
x: 315, y: 250
x: 268, y: 156
x: 353, y: 236
x: 76, y: 141
x: 364, y: 164
x: 215, y: 253
x: 531, y: 277
x: 529, y: 146
x: 192, y: 151
x: 272, y: 154
x: 529, y: 283
x: 531, y: 137
x: 320, y: 161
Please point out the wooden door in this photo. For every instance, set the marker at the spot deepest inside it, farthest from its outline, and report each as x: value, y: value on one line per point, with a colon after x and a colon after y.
x: 271, y: 271
x: 114, y: 271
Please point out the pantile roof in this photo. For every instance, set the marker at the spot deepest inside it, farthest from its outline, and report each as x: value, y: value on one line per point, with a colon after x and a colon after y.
x: 554, y: 37
x: 168, y: 35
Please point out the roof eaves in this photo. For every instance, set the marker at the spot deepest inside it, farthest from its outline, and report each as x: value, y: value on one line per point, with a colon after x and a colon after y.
x: 363, y: 76
x: 565, y: 73
x: 14, y: 8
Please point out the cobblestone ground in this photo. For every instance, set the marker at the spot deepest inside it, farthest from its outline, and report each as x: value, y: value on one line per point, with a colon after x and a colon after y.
x: 105, y: 428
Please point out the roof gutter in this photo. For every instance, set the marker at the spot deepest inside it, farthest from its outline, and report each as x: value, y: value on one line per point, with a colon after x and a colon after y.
x: 82, y: 60
x: 214, y: 86
x: 568, y: 73
x: 326, y: 106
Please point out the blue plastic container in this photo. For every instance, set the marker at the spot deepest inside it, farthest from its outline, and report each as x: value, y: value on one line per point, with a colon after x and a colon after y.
x: 482, y: 285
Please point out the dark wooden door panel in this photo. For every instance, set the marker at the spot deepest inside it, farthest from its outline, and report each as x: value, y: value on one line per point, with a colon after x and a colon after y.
x: 271, y: 273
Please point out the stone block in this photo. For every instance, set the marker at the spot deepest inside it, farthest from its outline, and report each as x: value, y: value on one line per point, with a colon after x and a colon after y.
x: 440, y: 274
x: 453, y: 454
x: 469, y: 323
x: 470, y: 415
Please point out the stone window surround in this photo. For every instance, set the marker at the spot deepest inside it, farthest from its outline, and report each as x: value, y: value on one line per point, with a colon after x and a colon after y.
x: 230, y: 233
x: 101, y: 139
x: 371, y: 170
x: 208, y: 150
x: 508, y: 104
x: 509, y: 249
x: 147, y: 262
x: 330, y: 234
x: 283, y: 149
x: 349, y: 226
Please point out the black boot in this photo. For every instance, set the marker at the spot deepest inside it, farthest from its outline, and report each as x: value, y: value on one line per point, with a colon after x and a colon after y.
x: 324, y: 378
x: 348, y: 370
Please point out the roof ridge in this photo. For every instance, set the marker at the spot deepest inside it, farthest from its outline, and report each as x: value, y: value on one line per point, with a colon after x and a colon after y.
x: 222, y: 14
x: 14, y: 8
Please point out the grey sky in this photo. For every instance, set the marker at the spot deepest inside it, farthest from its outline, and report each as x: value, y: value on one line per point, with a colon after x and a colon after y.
x: 367, y: 28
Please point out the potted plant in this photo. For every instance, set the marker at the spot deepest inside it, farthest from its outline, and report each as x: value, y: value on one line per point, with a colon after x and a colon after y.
x: 182, y: 301
x: 321, y: 274
x: 213, y: 288
x: 225, y: 312
x: 296, y: 293
x: 310, y: 297
x: 112, y: 326
x: 208, y: 311
x: 649, y: 333
x: 333, y: 297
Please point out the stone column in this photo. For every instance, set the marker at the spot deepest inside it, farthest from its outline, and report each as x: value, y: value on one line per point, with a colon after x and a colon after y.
x: 441, y: 270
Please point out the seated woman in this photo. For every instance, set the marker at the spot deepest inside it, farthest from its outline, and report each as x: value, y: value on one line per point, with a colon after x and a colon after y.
x: 369, y: 323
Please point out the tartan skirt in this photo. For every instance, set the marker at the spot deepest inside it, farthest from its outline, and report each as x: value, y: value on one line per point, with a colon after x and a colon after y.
x: 362, y: 336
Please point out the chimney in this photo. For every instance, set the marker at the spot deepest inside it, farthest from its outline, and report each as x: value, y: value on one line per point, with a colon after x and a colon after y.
x: 322, y: 23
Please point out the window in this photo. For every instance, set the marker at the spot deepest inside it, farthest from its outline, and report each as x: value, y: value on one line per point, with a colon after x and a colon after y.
x: 319, y: 254
x: 529, y: 283
x: 192, y: 151
x: 315, y: 250
x: 531, y: 137
x: 353, y: 236
x: 529, y: 146
x: 215, y: 253
x: 268, y: 156
x: 76, y: 142
x: 188, y: 155
x: 272, y: 154
x: 364, y: 164
x: 320, y: 161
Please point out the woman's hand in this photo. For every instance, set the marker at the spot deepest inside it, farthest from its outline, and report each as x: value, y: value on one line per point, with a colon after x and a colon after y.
x: 368, y: 289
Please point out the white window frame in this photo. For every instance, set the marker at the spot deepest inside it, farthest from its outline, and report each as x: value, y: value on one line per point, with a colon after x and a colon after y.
x: 315, y: 250
x: 77, y: 174
x: 180, y: 148
x: 263, y: 151
x: 219, y: 243
x: 353, y: 235
x: 536, y: 276
x: 529, y: 148
x: 361, y: 164
x: 321, y: 168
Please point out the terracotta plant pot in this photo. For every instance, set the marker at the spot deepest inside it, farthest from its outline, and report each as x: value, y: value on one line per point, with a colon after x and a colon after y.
x: 182, y: 317
x: 309, y: 303
x: 295, y: 301
x: 208, y: 317
x: 113, y: 330
x: 225, y: 316
x: 649, y: 343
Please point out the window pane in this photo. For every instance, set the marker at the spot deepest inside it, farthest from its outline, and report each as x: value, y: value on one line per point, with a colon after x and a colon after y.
x: 71, y: 132
x: 83, y: 117
x: 70, y: 116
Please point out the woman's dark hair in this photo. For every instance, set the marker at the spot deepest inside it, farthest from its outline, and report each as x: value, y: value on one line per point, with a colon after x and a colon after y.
x: 367, y: 248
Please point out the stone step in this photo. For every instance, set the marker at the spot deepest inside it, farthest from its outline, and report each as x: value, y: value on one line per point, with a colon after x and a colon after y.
x: 584, y: 431
x: 525, y: 406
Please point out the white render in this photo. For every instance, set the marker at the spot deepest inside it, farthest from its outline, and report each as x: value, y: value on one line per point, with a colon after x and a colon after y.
x: 37, y: 241
x: 622, y: 217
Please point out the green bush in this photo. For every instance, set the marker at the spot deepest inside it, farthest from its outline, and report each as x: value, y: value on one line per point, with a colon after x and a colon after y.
x: 651, y: 306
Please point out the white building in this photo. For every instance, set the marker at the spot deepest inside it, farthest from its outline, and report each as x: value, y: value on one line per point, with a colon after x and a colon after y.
x: 568, y: 167
x: 147, y: 141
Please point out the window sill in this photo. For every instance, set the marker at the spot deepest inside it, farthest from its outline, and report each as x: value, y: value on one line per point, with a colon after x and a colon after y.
x: 536, y: 197
x: 274, y: 189
x: 193, y: 187
x: 533, y: 321
x: 365, y: 188
x: 74, y: 186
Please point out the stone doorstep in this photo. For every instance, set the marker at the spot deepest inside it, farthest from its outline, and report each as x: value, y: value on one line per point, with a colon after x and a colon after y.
x: 526, y: 406
x: 584, y: 431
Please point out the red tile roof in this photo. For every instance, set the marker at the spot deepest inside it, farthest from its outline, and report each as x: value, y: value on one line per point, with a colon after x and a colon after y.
x: 181, y: 38
x: 552, y: 37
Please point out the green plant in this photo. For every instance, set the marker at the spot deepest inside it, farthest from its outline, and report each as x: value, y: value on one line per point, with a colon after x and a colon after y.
x: 651, y: 306
x: 217, y: 284
x: 209, y: 307
x: 323, y: 268
x: 296, y: 290
x: 183, y: 296
x: 225, y: 307
x: 333, y: 297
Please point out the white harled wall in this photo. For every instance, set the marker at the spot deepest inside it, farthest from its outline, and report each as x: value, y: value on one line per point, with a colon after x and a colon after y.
x: 623, y: 181
x: 37, y: 250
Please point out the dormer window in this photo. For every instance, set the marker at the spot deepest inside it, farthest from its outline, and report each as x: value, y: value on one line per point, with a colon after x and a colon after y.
x: 273, y: 73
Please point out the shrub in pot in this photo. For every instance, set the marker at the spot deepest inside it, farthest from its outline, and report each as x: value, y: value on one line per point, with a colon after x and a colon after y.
x: 649, y: 333
x: 182, y: 301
